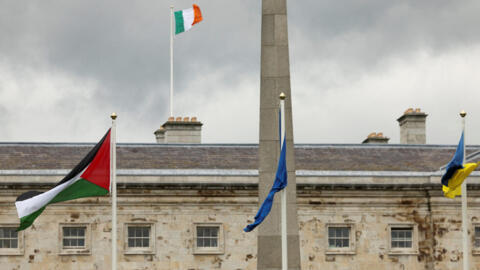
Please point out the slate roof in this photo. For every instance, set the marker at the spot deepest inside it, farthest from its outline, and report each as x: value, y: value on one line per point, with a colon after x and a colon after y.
x: 317, y: 157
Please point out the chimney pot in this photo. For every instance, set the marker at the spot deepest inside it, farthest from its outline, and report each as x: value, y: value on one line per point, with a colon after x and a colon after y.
x: 194, y: 119
x: 376, y: 138
x: 179, y: 119
x: 186, y: 119
x: 171, y: 119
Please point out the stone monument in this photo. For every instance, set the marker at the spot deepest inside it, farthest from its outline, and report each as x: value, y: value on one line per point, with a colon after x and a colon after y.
x: 274, y: 79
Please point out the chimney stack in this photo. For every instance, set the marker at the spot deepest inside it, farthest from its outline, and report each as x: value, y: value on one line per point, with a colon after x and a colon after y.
x: 412, y: 127
x: 376, y: 138
x: 184, y: 130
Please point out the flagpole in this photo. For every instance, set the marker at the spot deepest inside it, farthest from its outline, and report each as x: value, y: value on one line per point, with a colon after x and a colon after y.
x: 466, y: 252
x: 113, y: 185
x: 171, y: 60
x: 284, y: 191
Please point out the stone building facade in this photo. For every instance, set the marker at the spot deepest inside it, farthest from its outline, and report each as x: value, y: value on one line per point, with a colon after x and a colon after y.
x: 183, y: 206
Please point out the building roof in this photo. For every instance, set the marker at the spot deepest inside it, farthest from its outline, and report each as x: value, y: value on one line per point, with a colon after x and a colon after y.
x: 315, y: 157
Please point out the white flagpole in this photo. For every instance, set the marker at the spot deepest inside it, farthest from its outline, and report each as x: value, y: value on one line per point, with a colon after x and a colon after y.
x: 284, y: 191
x: 466, y: 251
x: 113, y: 187
x: 171, y: 60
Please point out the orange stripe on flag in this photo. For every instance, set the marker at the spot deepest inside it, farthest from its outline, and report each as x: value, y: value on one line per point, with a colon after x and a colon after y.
x: 198, y: 14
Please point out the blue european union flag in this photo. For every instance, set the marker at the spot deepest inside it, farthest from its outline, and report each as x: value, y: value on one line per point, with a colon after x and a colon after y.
x: 279, y: 184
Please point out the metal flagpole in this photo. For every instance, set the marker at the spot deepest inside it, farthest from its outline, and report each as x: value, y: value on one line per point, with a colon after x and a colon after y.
x: 113, y: 187
x: 284, y: 191
x: 466, y: 252
x: 171, y: 60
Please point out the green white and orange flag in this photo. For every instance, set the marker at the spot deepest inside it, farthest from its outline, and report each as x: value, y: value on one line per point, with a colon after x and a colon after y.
x: 91, y: 177
x: 185, y: 19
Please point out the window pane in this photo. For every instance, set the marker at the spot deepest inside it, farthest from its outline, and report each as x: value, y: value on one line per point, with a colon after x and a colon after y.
x: 214, y: 232
x: 345, y: 243
x: 214, y: 242
x: 66, y: 243
x: 131, y: 243
x: 146, y: 242
x: 331, y: 243
x: 146, y: 232
x: 131, y: 232
x: 331, y: 232
x: 199, y: 242
x: 14, y: 243
x: 81, y: 242
x: 66, y: 231
x: 6, y: 244
x: 2, y: 230
x: 81, y: 232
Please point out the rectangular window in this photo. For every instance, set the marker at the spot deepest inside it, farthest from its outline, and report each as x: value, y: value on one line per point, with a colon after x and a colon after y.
x: 11, y: 241
x: 477, y: 237
x: 138, y: 236
x: 8, y: 237
x: 208, y: 238
x: 338, y: 237
x: 401, y: 237
x: 74, y: 237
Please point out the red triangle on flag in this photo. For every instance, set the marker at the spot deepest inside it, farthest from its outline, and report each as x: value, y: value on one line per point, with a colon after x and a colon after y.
x: 98, y: 172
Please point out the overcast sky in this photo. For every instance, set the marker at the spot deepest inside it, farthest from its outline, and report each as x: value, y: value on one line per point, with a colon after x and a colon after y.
x: 356, y: 66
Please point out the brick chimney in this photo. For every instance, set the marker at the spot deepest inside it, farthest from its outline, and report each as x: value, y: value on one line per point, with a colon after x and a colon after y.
x: 412, y: 127
x: 180, y: 130
x: 375, y: 138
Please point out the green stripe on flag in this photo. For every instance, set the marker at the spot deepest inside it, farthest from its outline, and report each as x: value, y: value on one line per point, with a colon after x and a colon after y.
x: 179, y: 27
x: 80, y: 189
x: 26, y: 221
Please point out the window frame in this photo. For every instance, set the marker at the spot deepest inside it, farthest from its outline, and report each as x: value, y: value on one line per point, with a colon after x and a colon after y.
x: 150, y: 250
x: 86, y: 250
x: 403, y: 251
x: 350, y: 250
x: 220, y: 249
x: 19, y: 250
x: 475, y: 250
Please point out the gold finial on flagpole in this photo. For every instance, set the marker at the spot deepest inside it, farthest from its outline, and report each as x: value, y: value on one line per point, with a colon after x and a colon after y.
x: 463, y: 113
x: 282, y: 96
x: 113, y: 116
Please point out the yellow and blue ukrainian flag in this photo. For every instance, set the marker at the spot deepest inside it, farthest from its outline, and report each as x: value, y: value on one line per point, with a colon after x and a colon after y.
x: 456, y: 172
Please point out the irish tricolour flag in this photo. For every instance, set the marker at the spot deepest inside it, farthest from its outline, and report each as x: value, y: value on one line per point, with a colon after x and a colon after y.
x: 185, y: 19
x: 91, y: 177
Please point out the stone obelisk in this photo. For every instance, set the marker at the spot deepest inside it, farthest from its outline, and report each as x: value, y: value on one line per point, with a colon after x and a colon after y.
x: 275, y: 79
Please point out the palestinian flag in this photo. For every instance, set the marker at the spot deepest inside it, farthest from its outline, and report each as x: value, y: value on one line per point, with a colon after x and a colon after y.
x: 91, y: 177
x: 185, y: 19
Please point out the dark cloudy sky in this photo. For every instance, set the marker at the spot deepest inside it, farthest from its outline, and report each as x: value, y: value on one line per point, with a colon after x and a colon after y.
x: 356, y: 66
